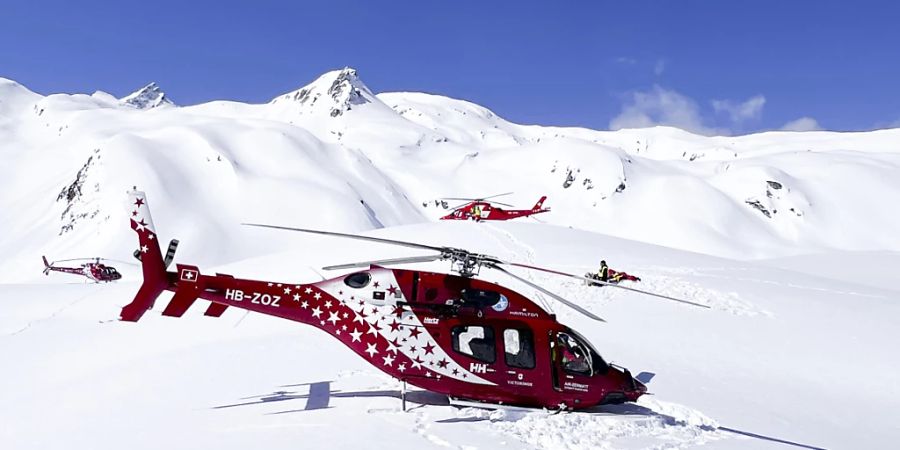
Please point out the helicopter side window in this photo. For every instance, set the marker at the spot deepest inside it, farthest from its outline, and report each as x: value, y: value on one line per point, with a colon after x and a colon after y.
x: 576, y: 357
x: 475, y: 341
x: 518, y: 347
x: 358, y: 280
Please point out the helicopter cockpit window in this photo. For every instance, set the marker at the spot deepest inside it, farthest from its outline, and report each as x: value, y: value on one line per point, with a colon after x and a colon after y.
x: 518, y: 348
x: 358, y: 280
x: 475, y: 341
x: 576, y: 357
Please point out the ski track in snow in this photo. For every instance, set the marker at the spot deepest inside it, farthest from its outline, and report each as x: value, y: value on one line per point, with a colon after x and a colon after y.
x: 52, y: 315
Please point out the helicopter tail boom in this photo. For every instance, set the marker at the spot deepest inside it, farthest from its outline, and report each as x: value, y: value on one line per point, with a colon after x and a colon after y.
x: 156, y: 279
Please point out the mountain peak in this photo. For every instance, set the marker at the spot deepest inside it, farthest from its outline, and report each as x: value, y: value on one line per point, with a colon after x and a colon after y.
x: 337, y: 91
x: 147, y: 97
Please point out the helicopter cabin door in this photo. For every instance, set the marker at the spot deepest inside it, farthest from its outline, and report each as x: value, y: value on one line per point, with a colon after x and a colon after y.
x: 497, y: 350
x: 517, y: 342
x: 572, y: 363
x: 477, y: 342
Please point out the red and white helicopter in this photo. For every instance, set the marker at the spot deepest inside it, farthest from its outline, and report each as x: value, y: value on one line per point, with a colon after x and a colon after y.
x: 479, y: 209
x: 93, y: 270
x: 452, y: 334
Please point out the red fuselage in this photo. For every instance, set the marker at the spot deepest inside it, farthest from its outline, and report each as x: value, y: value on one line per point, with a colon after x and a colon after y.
x: 479, y: 211
x: 95, y: 271
x: 459, y: 336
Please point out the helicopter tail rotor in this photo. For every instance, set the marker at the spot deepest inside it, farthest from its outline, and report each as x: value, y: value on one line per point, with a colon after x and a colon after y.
x: 46, y: 265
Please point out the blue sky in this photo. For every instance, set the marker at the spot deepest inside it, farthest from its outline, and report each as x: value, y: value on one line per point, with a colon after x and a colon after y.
x: 714, y: 67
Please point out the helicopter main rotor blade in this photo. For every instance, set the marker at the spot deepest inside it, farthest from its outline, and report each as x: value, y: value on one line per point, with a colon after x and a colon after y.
x: 496, y: 195
x: 351, y: 236
x: 653, y: 294
x: 572, y: 305
x: 381, y: 262
x: 482, y: 201
x: 476, y: 199
x: 73, y: 259
x: 605, y: 283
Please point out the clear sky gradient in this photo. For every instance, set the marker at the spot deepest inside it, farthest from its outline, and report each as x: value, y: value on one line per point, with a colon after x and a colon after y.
x: 711, y: 66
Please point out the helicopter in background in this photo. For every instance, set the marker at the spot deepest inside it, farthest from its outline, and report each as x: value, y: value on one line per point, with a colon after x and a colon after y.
x: 479, y: 209
x: 92, y: 270
x: 453, y: 334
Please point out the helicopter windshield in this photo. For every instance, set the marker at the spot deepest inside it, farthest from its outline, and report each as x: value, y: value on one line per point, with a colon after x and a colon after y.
x: 598, y: 365
x: 578, y: 356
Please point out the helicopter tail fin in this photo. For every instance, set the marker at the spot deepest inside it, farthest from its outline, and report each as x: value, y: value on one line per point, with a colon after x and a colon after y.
x: 46, y: 265
x: 539, y: 204
x: 156, y: 280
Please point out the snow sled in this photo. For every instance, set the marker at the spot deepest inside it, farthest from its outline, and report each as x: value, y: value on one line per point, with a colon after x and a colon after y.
x: 614, y: 277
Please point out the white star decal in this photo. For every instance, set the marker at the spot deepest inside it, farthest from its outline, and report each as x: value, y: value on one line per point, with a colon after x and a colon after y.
x: 296, y: 297
x: 316, y: 312
x: 388, y: 360
x: 287, y: 290
x: 338, y: 332
x: 345, y: 315
x: 333, y: 318
x: 150, y: 236
x: 371, y: 350
x: 373, y: 330
x: 139, y: 227
x: 308, y: 291
x: 358, y: 318
x: 401, y: 367
x: 328, y: 304
x: 304, y: 305
x: 344, y: 327
x: 317, y: 296
x: 144, y: 249
x: 355, y: 334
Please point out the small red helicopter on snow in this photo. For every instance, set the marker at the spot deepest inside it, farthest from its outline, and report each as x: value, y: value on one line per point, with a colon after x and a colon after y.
x: 453, y: 334
x: 479, y: 209
x: 94, y: 270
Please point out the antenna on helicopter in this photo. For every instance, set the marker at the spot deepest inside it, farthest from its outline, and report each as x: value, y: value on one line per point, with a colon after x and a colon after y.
x: 468, y: 264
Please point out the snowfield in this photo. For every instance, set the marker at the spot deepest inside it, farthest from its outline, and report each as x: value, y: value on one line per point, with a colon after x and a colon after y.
x: 790, y: 238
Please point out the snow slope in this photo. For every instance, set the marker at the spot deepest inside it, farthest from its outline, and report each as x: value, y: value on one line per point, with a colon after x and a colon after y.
x: 728, y: 221
x: 779, y: 354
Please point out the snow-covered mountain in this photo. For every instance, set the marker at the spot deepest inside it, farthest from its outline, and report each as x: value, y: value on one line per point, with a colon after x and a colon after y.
x: 726, y: 221
x: 352, y: 160
x: 147, y: 97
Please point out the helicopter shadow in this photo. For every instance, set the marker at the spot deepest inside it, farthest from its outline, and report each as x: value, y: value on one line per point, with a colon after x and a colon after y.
x: 320, y: 394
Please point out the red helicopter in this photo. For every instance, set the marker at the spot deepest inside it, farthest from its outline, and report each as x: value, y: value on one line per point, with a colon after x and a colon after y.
x: 479, y: 209
x: 452, y: 334
x: 95, y: 270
